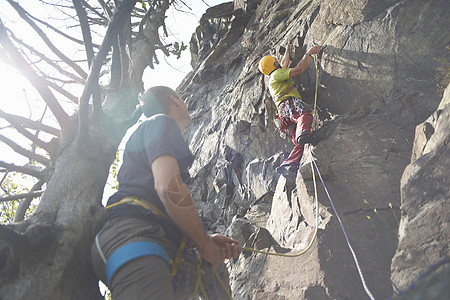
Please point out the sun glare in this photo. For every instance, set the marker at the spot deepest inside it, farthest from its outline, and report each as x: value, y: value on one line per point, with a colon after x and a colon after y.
x: 18, y: 97
x: 13, y: 88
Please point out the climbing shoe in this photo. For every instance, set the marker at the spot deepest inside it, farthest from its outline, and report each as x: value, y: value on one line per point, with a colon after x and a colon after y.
x: 288, y: 171
x: 304, y: 138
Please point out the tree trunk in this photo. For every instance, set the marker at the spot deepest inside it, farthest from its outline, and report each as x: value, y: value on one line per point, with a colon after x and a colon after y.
x: 62, y: 229
x: 47, y: 255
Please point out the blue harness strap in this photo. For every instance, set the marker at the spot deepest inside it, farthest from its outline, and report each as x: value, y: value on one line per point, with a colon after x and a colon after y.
x: 132, y: 251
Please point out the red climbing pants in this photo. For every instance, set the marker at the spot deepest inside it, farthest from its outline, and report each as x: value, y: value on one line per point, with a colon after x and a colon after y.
x: 303, y: 120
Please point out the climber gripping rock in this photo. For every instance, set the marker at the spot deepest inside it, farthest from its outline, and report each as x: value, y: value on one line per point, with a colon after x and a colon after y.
x: 294, y: 116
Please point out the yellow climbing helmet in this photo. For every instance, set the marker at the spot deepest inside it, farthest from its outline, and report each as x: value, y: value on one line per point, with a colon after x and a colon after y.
x: 267, y: 64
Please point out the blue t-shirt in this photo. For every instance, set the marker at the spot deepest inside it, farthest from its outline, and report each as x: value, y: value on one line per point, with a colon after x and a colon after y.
x: 159, y: 135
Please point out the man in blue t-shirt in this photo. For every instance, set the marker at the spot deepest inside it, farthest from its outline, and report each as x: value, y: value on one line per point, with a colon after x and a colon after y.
x: 294, y: 115
x: 153, y: 210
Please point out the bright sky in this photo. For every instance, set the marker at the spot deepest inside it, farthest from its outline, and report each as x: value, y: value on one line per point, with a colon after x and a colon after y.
x: 18, y: 97
x: 181, y: 26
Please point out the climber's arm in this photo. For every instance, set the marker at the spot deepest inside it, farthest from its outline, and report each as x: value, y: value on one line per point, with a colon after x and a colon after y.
x: 286, y: 58
x: 177, y: 200
x: 304, y: 63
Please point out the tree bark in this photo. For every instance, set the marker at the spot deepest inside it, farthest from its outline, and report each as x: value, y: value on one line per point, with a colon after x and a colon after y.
x: 59, y: 234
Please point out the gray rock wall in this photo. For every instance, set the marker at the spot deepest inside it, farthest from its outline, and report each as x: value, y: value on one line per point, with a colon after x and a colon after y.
x: 377, y: 76
x: 424, y: 232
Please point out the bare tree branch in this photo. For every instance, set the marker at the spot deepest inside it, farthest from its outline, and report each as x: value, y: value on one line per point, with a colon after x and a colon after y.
x: 25, y: 16
x: 116, y: 66
x: 206, y: 3
x: 28, y: 170
x: 61, y: 32
x: 143, y: 21
x: 81, y: 13
x: 34, y: 79
x: 25, y: 203
x: 87, y: 38
x: 38, y: 142
x: 124, y: 38
x: 61, y: 81
x: 106, y: 9
x: 21, y: 196
x: 20, y: 150
x: 3, y: 179
x: 27, y: 123
x: 58, y: 5
x: 151, y: 37
x: 36, y: 134
x: 120, y: 15
x: 63, y: 92
x: 50, y: 83
x: 95, y: 11
x: 47, y: 60
x: 99, y: 22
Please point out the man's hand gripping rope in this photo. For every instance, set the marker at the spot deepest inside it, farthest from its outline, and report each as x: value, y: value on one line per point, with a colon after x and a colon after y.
x: 214, y: 248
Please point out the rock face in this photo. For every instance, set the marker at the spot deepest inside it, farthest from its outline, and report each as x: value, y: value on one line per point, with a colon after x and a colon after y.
x: 377, y: 82
x: 424, y: 232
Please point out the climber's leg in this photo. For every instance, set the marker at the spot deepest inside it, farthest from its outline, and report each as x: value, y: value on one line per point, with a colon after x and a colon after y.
x: 303, y: 130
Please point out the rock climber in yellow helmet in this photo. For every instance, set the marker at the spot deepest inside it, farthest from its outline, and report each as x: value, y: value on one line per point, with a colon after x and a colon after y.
x: 293, y: 114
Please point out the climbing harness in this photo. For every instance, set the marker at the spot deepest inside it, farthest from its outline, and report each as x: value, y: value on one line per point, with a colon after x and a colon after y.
x: 314, y: 167
x: 187, y: 258
x: 280, y: 120
x: 143, y: 203
x: 131, y: 251
x: 285, y: 112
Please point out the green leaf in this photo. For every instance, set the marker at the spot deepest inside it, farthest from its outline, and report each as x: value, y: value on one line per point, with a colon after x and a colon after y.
x: 177, y: 49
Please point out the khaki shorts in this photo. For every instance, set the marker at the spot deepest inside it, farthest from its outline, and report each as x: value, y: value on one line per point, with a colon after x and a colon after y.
x: 148, y: 277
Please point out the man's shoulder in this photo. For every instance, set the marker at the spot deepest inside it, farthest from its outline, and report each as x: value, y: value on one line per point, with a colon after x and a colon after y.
x: 157, y: 120
x: 152, y: 126
x: 281, y: 70
x: 280, y: 74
